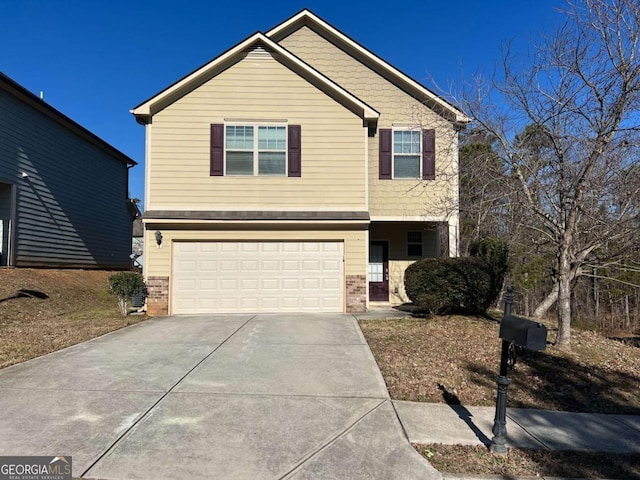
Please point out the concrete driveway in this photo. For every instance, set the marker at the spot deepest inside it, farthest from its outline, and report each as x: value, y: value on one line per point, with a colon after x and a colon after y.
x: 255, y: 397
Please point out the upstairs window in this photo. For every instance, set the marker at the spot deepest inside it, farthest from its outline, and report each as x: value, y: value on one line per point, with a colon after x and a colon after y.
x: 255, y: 150
x: 407, y: 153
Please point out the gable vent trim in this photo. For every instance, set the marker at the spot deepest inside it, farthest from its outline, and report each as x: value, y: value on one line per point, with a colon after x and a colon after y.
x: 258, y: 51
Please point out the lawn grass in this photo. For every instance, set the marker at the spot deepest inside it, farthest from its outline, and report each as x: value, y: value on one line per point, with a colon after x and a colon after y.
x: 43, y: 310
x: 451, y: 359
x: 455, y: 359
x: 478, y: 460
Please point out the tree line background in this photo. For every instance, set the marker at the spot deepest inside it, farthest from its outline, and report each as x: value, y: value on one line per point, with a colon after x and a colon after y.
x: 551, y: 164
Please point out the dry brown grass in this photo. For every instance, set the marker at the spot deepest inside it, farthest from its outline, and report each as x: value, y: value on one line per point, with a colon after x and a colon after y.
x: 477, y: 460
x: 456, y: 358
x: 45, y: 310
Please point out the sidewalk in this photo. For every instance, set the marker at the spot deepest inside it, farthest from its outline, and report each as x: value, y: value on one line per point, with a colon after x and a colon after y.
x: 526, y: 428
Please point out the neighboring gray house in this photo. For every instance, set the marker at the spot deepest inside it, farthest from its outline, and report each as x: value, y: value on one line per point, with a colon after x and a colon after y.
x: 63, y: 191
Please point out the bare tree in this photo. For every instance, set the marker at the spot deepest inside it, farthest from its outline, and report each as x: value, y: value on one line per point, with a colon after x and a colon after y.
x: 576, y: 100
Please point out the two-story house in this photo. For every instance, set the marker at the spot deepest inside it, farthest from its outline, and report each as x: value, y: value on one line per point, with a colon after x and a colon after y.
x: 297, y: 171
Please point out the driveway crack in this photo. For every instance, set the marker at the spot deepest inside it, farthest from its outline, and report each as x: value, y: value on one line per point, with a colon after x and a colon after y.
x: 330, y: 442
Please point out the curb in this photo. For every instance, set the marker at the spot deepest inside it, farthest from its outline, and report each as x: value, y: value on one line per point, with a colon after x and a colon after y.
x: 456, y: 476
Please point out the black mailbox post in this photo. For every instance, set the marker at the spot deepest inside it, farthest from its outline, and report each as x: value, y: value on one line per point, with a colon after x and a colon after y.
x: 523, y: 333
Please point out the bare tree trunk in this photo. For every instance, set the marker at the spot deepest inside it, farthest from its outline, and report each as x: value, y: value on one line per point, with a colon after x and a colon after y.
x: 596, y: 293
x: 500, y: 299
x: 563, y: 340
x: 626, y: 312
x: 636, y: 309
x: 544, y: 306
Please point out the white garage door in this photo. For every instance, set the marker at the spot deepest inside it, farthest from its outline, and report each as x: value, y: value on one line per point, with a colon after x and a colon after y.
x: 232, y: 277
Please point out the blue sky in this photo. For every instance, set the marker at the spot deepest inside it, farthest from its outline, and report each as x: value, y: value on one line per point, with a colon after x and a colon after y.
x: 95, y: 60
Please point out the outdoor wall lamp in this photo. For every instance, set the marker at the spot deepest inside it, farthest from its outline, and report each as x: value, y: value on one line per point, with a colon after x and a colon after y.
x: 159, y: 238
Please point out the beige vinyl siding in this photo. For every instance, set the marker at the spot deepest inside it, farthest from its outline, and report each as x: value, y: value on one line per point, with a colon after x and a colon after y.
x: 435, y: 199
x: 159, y: 259
x: 253, y: 90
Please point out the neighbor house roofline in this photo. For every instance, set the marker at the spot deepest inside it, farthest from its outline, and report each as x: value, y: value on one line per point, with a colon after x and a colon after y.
x: 148, y: 108
x: 399, y: 78
x: 24, y: 95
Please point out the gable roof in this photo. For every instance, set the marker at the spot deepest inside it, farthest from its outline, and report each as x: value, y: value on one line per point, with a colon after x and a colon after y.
x: 148, y: 108
x: 400, y: 79
x: 15, y: 89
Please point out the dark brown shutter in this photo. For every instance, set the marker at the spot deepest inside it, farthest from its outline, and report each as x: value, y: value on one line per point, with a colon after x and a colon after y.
x: 217, y: 150
x: 295, y: 156
x: 384, y: 161
x: 429, y: 154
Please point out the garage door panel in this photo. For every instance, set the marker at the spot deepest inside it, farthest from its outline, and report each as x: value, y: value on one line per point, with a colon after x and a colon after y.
x: 249, y: 303
x: 291, y: 265
x: 186, y: 266
x: 230, y: 277
x: 186, y: 247
x: 269, y: 303
x: 189, y: 284
x: 207, y: 266
x: 229, y: 266
x: 330, y: 265
x: 270, y: 247
x: 311, y: 247
x: 250, y: 265
x: 292, y: 247
x: 290, y: 284
x: 270, y: 284
x: 204, y: 247
x: 311, y: 265
x: 206, y: 303
x: 311, y: 283
x: 330, y: 284
x: 291, y: 303
x: 223, y: 304
x: 331, y: 247
x: 249, y: 284
x: 250, y: 247
x: 270, y: 265
x: 229, y: 284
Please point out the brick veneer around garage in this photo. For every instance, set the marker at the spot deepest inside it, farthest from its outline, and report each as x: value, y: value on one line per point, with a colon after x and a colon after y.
x: 356, y: 293
x: 158, y: 296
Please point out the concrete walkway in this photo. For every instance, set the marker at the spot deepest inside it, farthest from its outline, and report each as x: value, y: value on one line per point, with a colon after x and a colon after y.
x: 526, y: 428
x: 266, y: 396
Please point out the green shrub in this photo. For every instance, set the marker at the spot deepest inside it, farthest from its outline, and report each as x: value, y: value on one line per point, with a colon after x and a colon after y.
x: 496, y: 254
x: 123, y: 285
x: 451, y: 285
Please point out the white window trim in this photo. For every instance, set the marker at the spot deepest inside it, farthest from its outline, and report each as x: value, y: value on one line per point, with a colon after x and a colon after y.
x: 421, y: 243
x: 255, y: 151
x: 393, y: 153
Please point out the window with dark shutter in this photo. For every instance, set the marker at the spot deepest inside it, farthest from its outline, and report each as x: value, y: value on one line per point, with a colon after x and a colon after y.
x: 295, y: 150
x: 217, y: 150
x: 429, y: 154
x: 384, y: 162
